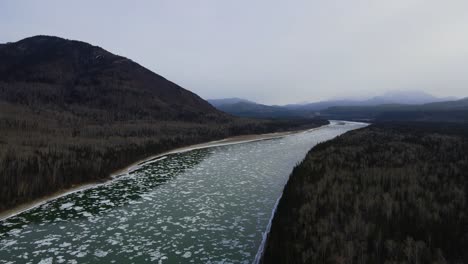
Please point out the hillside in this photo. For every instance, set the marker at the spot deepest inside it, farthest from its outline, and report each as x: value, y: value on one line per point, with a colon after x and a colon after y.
x: 388, y: 193
x: 45, y: 71
x: 73, y: 113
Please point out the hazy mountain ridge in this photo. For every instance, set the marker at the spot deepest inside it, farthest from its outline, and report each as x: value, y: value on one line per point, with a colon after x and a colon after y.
x: 396, y: 100
x: 245, y: 108
x: 227, y: 101
x: 391, y: 97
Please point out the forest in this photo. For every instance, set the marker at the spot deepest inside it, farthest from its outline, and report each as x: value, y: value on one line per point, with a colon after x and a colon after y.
x: 43, y: 150
x: 387, y: 193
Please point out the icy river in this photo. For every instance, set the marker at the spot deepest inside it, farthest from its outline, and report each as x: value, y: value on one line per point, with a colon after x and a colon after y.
x: 208, y: 205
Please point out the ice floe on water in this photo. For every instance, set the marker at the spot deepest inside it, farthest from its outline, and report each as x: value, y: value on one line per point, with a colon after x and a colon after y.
x: 100, y: 253
x: 46, y: 261
x: 202, y: 206
x: 66, y: 205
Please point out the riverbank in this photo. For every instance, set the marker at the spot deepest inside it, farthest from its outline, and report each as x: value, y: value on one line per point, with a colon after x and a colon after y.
x: 215, y: 143
x: 115, y: 175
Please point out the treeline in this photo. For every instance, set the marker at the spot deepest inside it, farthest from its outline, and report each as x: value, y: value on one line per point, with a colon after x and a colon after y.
x: 43, y: 150
x: 388, y: 193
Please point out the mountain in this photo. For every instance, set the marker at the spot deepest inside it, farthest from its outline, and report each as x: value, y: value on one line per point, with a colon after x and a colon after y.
x: 245, y: 108
x: 227, y: 101
x: 72, y: 113
x: 392, y: 97
x: 406, y: 97
x: 44, y: 70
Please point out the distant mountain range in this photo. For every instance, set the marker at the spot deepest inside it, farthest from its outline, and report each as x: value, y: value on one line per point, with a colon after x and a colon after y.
x: 331, y: 108
x: 392, y: 97
x: 246, y: 108
x: 228, y: 101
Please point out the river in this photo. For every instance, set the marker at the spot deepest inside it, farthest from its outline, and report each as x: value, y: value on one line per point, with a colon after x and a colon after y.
x: 207, y: 205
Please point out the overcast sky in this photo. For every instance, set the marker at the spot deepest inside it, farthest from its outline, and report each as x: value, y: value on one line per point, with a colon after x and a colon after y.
x: 269, y: 51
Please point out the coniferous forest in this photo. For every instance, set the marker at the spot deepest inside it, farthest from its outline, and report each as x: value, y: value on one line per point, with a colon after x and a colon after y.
x: 42, y: 153
x: 388, y: 193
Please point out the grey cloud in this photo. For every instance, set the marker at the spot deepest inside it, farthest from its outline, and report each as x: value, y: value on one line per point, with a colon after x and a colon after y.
x: 269, y: 51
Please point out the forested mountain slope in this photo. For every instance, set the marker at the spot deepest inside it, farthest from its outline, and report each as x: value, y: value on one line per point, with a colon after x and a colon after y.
x: 71, y: 113
x: 388, y: 193
x: 61, y: 74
